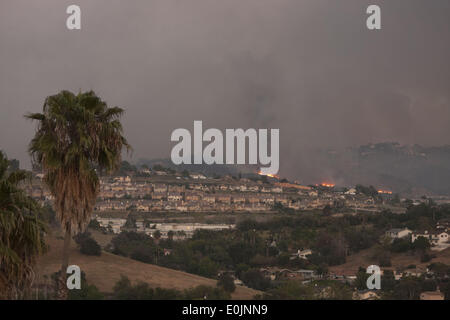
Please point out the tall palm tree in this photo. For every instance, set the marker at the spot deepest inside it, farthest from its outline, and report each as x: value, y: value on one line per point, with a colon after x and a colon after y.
x: 21, y: 233
x: 77, y: 136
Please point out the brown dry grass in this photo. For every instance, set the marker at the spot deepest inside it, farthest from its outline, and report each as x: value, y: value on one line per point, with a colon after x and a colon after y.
x: 105, y: 271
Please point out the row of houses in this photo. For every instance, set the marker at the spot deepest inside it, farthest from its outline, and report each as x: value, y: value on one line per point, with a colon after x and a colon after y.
x: 438, y: 238
x: 275, y: 273
x: 124, y: 186
x: 177, y: 230
x: 196, y: 201
x: 182, y: 206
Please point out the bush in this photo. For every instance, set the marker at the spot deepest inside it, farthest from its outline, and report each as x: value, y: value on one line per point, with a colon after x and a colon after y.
x: 429, y: 285
x: 226, y: 282
x: 256, y: 280
x: 384, y: 260
x: 124, y: 290
x: 143, y: 254
x: 90, y: 247
x: 87, y: 291
x: 207, y: 293
x: 290, y: 290
x: 401, y: 245
x: 82, y: 236
x: 95, y: 225
x: 426, y: 257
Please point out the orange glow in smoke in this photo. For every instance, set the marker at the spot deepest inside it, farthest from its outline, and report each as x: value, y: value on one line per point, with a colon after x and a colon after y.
x: 269, y: 175
x: 327, y: 184
x: 384, y: 192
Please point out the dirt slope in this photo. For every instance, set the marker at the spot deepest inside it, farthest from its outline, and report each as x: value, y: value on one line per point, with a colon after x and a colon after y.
x: 105, y: 271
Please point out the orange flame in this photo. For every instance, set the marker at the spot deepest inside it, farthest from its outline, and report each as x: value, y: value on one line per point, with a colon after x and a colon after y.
x: 269, y: 175
x: 384, y: 192
x: 327, y: 185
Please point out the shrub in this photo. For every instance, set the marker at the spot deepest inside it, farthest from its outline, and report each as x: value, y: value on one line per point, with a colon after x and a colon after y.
x: 87, y: 291
x: 226, y: 282
x: 401, y: 245
x: 80, y: 237
x: 426, y: 257
x: 254, y: 279
x: 90, y: 247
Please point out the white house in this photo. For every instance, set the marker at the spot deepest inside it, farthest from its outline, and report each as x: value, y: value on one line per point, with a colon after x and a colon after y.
x: 303, y: 254
x: 436, y: 238
x: 398, y: 233
x: 197, y: 176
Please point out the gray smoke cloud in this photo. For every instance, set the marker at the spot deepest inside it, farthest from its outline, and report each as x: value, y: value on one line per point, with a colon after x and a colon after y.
x: 308, y: 67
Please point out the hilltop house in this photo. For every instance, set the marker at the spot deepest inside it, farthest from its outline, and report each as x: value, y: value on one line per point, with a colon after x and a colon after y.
x: 302, y: 254
x: 437, y: 239
x: 398, y: 233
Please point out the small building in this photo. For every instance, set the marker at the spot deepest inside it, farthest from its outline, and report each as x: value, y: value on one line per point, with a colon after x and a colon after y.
x: 197, y: 176
x: 435, y: 238
x: 398, y: 233
x: 303, y: 254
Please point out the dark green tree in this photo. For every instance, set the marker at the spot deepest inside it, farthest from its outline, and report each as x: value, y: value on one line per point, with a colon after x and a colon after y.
x: 226, y: 282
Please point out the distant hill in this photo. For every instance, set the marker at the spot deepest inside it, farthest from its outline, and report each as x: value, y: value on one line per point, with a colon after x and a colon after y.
x: 410, y: 170
x: 105, y: 271
x: 208, y: 170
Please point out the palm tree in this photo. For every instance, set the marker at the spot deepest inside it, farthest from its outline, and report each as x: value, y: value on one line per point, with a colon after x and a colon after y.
x: 78, y: 136
x: 21, y: 233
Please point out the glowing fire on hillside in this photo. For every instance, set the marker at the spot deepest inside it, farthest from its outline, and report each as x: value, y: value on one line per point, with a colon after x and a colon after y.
x: 384, y: 192
x: 327, y: 184
x: 269, y: 175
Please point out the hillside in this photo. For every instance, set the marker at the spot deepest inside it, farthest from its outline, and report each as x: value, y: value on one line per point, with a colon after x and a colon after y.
x: 105, y: 271
x: 365, y: 258
x: 410, y: 170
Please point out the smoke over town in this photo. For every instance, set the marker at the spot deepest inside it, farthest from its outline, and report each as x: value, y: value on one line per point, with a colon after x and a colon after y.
x: 309, y: 68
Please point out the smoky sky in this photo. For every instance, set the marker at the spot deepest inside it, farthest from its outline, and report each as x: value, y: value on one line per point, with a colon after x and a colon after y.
x: 308, y: 67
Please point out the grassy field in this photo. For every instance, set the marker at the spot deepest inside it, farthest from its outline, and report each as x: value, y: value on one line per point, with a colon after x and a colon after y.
x: 105, y: 271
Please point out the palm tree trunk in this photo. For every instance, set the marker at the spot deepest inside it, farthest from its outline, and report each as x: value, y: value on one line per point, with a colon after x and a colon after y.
x: 65, y: 259
x: 62, y: 285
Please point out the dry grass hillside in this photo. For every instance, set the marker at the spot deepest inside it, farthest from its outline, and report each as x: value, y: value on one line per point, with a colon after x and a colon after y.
x: 105, y: 271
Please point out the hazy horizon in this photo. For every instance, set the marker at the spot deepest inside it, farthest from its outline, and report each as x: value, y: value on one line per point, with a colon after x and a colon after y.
x: 310, y: 68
